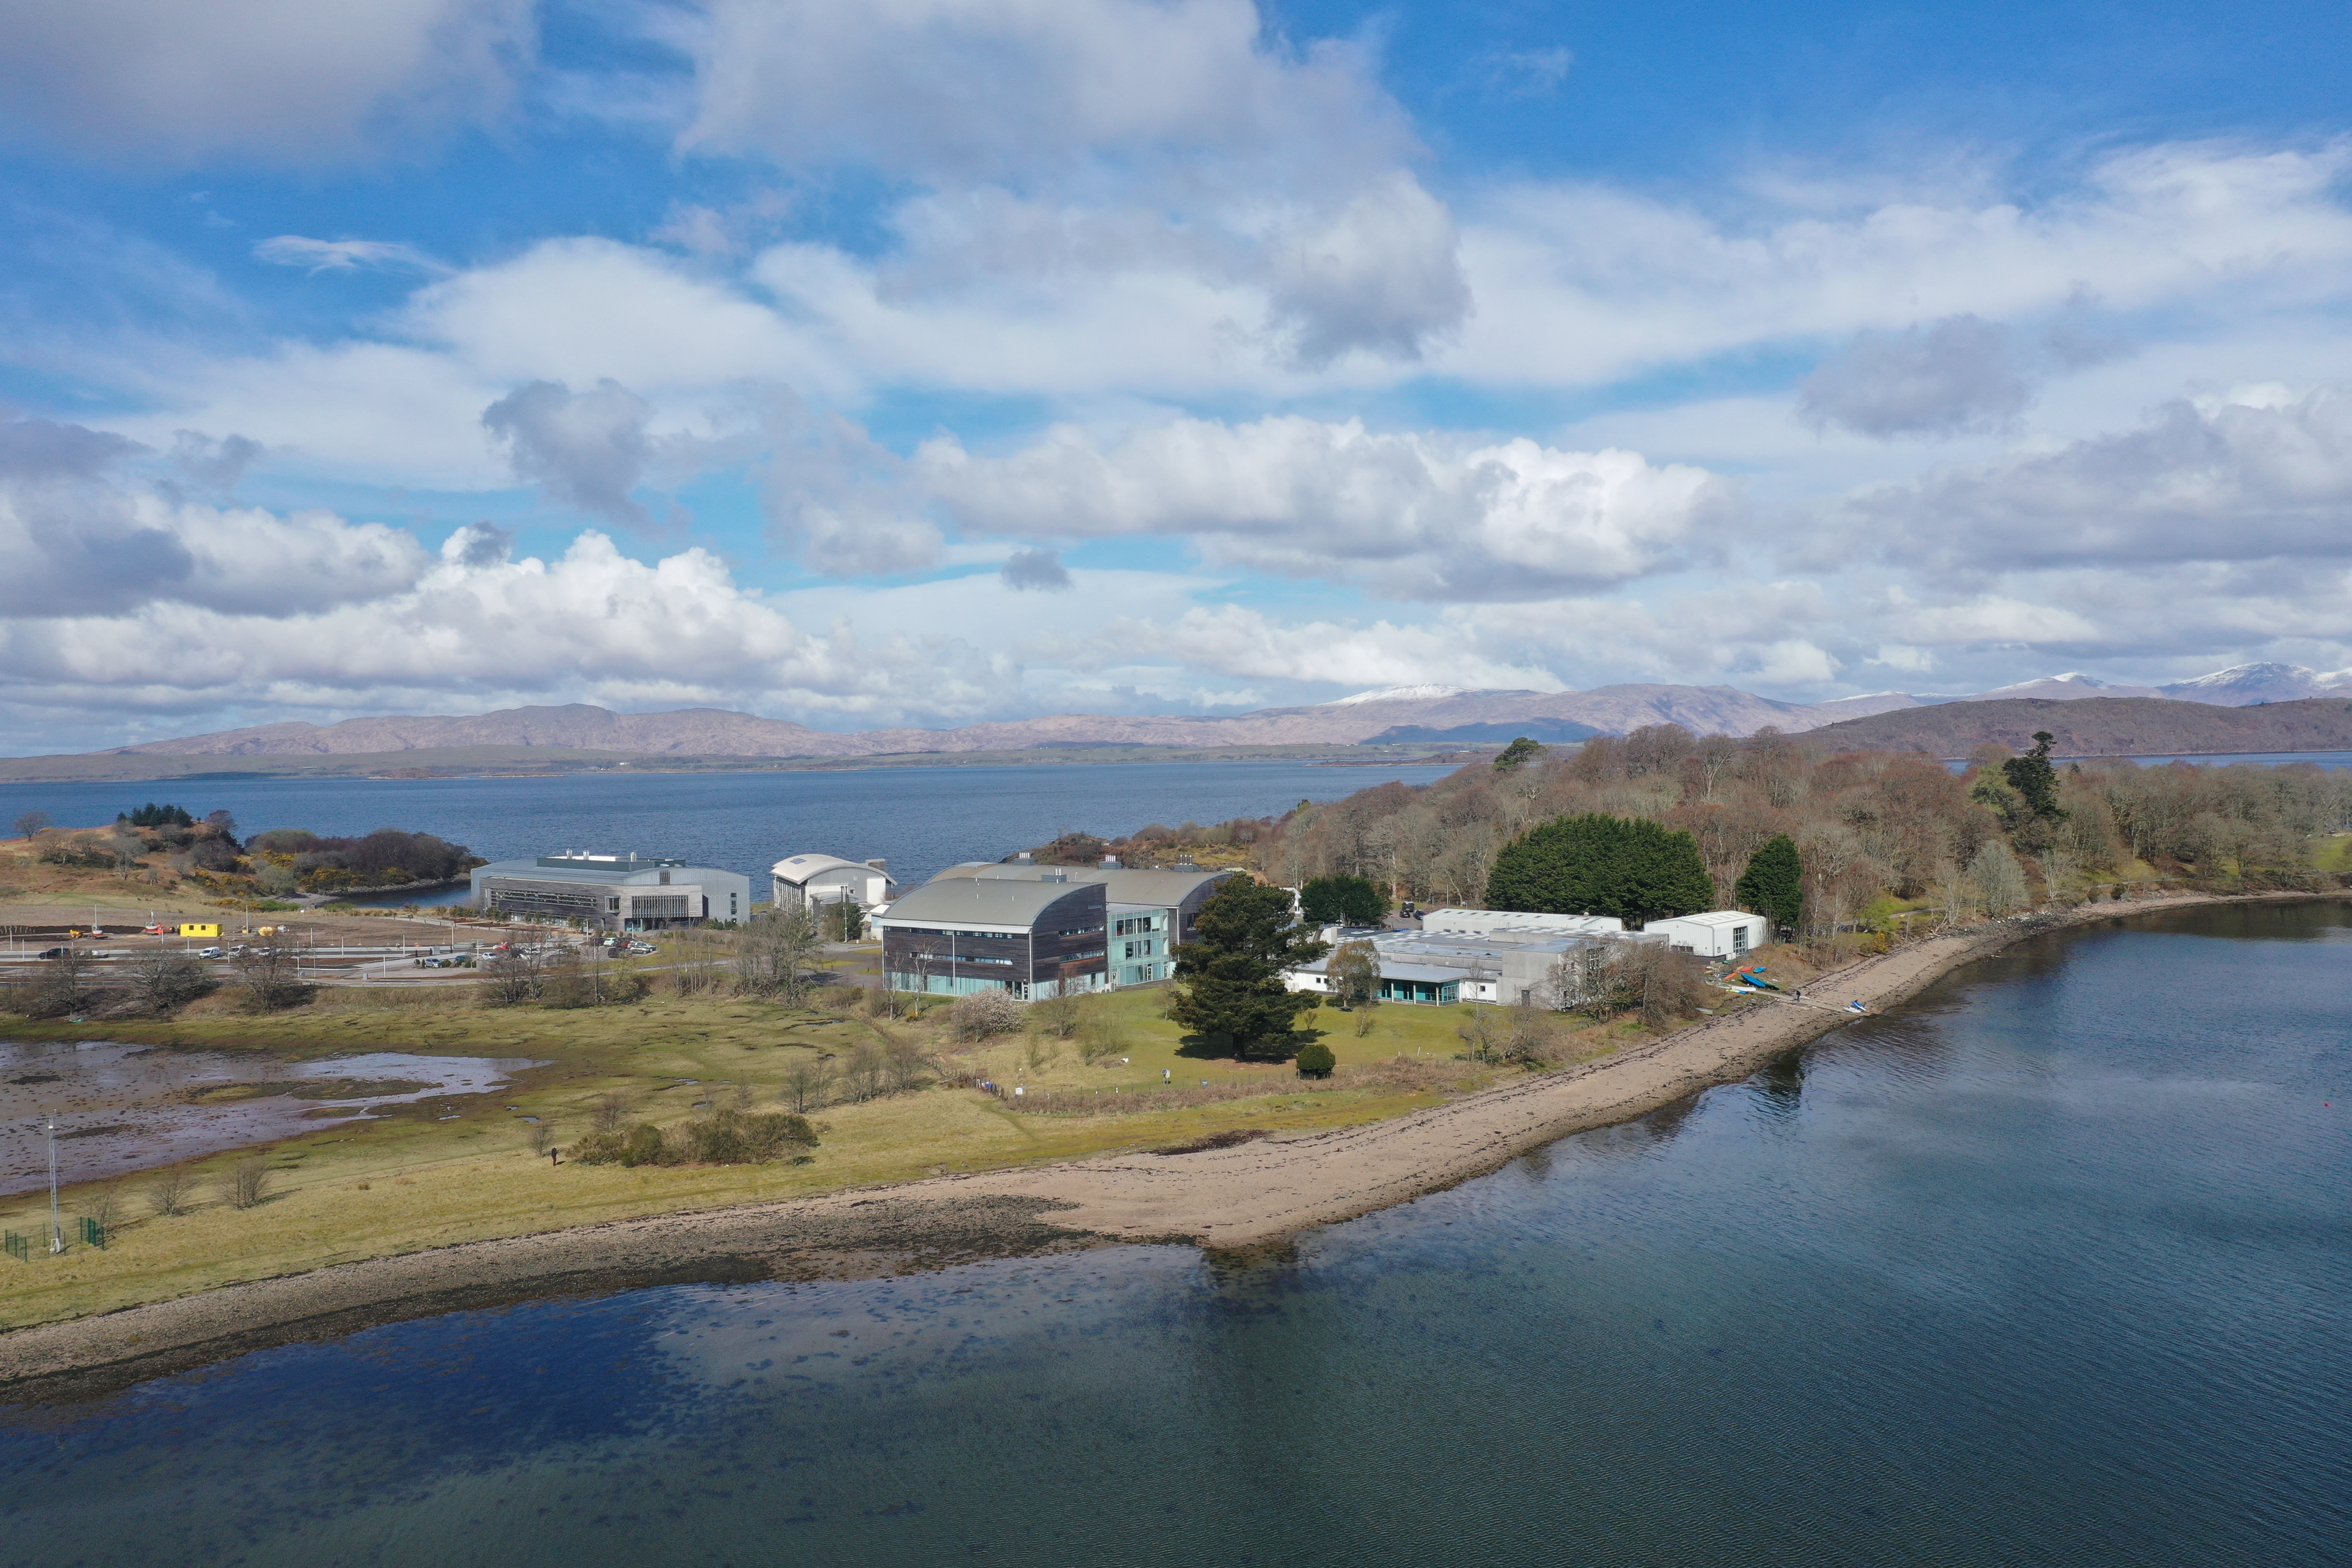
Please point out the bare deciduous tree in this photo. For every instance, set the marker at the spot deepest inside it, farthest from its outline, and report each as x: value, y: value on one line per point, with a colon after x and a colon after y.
x: 270, y: 969
x: 246, y: 1183
x: 167, y: 1192
x: 611, y: 1112
x: 1353, y: 974
x: 806, y: 1079
x: 165, y: 980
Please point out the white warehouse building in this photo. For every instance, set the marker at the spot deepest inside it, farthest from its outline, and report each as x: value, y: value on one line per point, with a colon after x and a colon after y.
x: 1718, y: 933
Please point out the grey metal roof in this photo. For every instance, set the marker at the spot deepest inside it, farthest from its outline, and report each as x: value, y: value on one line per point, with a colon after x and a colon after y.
x: 972, y: 901
x: 1144, y: 888
x: 644, y: 872
x: 799, y: 868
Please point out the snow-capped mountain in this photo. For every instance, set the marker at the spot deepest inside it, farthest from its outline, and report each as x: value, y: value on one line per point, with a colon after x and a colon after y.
x: 1399, y: 694
x: 2243, y: 684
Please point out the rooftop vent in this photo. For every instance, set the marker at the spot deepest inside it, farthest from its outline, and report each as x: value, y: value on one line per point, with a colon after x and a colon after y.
x: 1024, y: 858
x: 1112, y: 861
x: 1055, y: 876
x: 879, y: 865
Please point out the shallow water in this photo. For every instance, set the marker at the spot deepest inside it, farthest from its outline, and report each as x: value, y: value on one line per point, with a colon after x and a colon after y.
x: 919, y: 819
x: 122, y: 1109
x: 2049, y: 1267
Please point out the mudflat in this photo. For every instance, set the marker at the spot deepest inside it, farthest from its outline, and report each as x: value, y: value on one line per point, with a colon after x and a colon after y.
x: 1247, y: 1196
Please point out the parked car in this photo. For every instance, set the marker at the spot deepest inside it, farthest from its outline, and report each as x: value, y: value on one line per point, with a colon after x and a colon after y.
x: 54, y: 952
x: 211, y: 953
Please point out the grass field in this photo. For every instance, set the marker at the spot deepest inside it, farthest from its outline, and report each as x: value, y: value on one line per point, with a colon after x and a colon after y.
x: 407, y: 1180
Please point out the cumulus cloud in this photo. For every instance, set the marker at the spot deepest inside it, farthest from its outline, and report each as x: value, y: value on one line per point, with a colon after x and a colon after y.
x: 1099, y: 139
x: 344, y: 254
x: 283, y: 80
x: 962, y: 91
x: 1413, y: 515
x: 1235, y: 640
x: 591, y: 624
x: 216, y: 464
x: 483, y: 543
x: 1380, y: 274
x: 2218, y: 480
x: 74, y: 540
x: 585, y: 449
x: 1036, y: 571
x: 1961, y: 374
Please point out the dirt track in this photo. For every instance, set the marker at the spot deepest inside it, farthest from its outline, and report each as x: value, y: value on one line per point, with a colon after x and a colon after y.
x: 1252, y: 1194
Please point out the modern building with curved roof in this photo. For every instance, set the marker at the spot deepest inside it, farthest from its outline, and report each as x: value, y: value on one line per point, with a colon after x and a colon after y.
x: 961, y: 935
x: 811, y: 880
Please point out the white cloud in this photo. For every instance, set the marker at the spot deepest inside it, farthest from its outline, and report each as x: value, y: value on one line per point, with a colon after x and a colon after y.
x: 590, y: 625
x: 289, y: 82
x: 958, y: 92
x: 344, y: 254
x: 2222, y: 481
x: 1579, y: 284
x: 1235, y: 640
x: 1413, y: 515
x: 587, y: 450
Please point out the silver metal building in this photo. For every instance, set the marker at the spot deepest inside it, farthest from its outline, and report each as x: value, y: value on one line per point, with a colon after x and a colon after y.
x: 620, y: 892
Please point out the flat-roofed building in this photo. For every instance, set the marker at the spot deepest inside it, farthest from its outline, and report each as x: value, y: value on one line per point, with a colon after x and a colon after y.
x: 1518, y: 923
x: 810, y: 880
x: 1499, y: 966
x: 620, y: 892
x: 1149, y: 911
x: 1718, y: 933
x: 957, y: 935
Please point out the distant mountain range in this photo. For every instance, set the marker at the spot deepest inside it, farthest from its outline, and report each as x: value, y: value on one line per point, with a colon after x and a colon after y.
x: 1421, y: 715
x: 2118, y: 727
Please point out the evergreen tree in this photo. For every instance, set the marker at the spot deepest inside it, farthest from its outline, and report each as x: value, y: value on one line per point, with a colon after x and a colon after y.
x: 2033, y: 777
x: 1774, y: 883
x: 1519, y: 752
x: 1629, y: 867
x: 1350, y: 900
x: 1230, y: 995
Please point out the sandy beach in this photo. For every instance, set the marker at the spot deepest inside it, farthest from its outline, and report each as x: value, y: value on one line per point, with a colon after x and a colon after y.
x: 1249, y: 1196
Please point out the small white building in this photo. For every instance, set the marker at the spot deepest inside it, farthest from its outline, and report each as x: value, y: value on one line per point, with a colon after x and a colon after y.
x: 1718, y: 933
x: 809, y: 880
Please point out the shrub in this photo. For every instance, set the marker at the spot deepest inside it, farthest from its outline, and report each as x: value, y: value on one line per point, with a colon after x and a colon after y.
x: 729, y: 1137
x: 1316, y: 1060
x: 1099, y: 1038
x: 984, y: 1014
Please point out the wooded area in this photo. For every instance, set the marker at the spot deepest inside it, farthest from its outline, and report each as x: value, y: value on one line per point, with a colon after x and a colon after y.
x: 1874, y: 830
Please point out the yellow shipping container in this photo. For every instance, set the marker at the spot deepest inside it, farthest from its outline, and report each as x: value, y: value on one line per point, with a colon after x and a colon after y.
x: 211, y: 929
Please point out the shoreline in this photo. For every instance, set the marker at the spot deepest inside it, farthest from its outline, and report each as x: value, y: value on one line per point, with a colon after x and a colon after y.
x: 1245, y: 1198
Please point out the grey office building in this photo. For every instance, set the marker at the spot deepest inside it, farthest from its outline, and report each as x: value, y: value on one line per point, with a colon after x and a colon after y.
x: 619, y: 892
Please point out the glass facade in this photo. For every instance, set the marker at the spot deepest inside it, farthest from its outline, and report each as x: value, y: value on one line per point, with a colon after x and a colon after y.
x: 1139, y: 947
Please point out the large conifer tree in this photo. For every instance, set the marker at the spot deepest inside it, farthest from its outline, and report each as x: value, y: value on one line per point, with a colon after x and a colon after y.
x: 1774, y: 883
x: 1230, y: 995
x: 1601, y: 865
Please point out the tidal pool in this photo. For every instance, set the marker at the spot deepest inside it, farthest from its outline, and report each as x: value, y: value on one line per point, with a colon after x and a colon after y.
x: 2049, y: 1267
x: 122, y: 1109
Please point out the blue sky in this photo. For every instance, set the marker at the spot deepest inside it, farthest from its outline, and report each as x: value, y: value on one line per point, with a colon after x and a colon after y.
x: 937, y: 359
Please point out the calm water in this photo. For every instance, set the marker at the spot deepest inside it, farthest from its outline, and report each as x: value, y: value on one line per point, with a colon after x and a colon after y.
x: 919, y: 818
x: 2048, y: 1268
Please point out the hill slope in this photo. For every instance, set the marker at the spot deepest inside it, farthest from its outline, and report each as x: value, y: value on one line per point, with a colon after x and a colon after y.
x: 2104, y: 727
